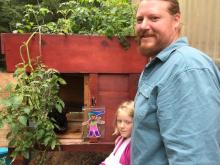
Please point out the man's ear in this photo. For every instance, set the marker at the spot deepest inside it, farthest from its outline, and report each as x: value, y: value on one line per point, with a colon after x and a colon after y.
x: 177, y: 20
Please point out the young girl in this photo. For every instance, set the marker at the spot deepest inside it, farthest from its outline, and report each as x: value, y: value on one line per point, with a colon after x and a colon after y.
x: 123, y: 128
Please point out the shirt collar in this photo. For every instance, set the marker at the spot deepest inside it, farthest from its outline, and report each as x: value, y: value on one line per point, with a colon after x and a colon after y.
x: 165, y: 53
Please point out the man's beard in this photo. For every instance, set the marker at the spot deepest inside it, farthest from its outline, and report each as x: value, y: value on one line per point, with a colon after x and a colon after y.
x: 149, y: 51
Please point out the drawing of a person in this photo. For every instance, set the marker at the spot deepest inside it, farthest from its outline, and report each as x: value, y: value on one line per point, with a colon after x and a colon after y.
x: 94, y: 120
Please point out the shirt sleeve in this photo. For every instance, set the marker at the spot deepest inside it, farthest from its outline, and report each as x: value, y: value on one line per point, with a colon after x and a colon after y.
x: 188, y: 116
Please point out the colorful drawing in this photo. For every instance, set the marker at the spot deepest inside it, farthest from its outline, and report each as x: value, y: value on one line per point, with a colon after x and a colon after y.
x: 95, y: 119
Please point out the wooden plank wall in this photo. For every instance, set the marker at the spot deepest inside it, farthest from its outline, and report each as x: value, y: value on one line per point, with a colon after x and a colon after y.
x: 201, y: 25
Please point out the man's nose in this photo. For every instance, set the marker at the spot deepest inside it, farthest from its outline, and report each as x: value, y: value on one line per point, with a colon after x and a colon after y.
x: 145, y: 24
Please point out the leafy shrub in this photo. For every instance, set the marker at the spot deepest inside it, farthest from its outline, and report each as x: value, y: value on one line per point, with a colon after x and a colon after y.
x: 89, y: 17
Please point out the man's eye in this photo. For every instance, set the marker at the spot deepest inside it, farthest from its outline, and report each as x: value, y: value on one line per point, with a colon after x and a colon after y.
x: 139, y: 20
x: 154, y: 19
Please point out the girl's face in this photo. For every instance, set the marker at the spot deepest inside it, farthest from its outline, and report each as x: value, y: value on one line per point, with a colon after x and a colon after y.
x: 124, y: 124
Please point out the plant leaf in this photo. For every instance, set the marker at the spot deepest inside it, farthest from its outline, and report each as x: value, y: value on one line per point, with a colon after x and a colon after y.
x: 22, y: 120
x: 16, y: 100
x: 53, y: 144
x: 62, y: 81
x: 27, y: 110
x: 59, y: 108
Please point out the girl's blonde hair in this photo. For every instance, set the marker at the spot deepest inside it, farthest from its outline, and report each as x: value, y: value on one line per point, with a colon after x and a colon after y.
x: 127, y: 106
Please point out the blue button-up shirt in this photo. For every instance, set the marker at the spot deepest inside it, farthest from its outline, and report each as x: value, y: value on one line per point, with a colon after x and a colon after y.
x: 177, y: 109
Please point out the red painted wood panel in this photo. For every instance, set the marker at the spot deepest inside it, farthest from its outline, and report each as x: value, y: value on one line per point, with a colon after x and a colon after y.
x: 76, y: 53
x: 112, y: 90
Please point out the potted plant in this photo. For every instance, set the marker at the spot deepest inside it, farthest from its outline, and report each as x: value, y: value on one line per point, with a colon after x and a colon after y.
x: 26, y: 109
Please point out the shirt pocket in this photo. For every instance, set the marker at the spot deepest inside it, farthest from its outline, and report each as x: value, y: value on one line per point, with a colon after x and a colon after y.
x: 142, y: 101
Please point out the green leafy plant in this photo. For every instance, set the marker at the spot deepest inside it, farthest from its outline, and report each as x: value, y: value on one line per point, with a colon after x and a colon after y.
x: 89, y: 17
x: 35, y: 94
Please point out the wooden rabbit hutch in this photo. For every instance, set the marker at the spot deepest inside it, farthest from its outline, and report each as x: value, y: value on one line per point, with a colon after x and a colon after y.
x: 97, y: 71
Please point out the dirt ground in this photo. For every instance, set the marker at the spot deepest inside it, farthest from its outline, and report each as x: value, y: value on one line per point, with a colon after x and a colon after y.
x: 75, y: 158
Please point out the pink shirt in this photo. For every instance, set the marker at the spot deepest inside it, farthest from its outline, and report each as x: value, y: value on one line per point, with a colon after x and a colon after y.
x: 122, y: 149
